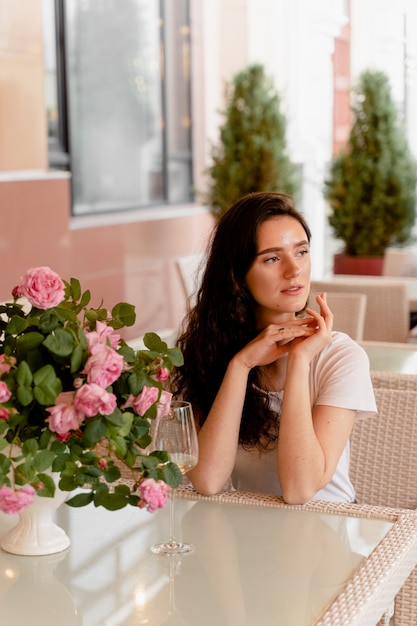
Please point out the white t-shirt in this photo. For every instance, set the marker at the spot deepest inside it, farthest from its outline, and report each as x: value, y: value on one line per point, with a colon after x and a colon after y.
x: 339, y: 376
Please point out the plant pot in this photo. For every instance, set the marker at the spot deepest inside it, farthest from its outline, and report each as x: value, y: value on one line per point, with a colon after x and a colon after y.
x: 360, y: 265
x: 36, y: 532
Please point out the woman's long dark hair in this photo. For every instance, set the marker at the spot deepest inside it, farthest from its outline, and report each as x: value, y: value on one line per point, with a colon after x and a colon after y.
x: 223, y: 318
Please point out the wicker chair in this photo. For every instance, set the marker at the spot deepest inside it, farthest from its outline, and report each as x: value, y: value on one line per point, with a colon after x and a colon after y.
x: 384, y: 466
x: 394, y: 380
x: 387, y: 309
x: 349, y: 310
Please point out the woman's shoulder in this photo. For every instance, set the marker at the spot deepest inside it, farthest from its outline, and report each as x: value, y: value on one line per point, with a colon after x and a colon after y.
x: 343, y: 345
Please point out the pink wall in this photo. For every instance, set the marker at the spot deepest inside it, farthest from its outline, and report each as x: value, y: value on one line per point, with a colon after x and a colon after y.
x: 132, y: 262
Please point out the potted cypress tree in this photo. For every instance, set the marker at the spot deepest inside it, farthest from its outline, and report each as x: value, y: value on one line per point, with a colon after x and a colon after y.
x: 371, y: 187
x: 252, y: 152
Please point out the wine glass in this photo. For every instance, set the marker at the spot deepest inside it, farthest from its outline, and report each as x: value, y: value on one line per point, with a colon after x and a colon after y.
x: 177, y: 435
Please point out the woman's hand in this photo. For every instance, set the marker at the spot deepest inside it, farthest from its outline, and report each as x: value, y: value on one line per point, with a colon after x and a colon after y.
x: 322, y: 335
x: 274, y: 341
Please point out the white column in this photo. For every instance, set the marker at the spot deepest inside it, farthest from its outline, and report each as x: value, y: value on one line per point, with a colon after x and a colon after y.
x: 295, y: 41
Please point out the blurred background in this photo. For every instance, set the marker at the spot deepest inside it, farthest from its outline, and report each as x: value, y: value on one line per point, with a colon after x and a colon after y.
x: 109, y: 111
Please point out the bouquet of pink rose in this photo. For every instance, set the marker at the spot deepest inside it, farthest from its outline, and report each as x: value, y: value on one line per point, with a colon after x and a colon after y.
x: 77, y: 400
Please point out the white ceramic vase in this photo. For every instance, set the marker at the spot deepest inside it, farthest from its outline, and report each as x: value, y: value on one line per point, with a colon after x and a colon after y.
x: 36, y: 532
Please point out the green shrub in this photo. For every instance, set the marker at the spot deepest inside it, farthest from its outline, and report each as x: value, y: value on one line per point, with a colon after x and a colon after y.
x: 371, y: 187
x: 252, y: 153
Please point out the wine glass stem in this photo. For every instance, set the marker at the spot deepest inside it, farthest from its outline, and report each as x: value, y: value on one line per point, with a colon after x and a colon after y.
x: 171, y: 515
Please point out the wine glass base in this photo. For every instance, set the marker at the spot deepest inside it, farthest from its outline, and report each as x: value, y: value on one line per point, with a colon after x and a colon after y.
x: 170, y: 548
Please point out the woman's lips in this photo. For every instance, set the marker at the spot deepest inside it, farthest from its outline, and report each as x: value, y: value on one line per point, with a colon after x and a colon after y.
x: 294, y: 290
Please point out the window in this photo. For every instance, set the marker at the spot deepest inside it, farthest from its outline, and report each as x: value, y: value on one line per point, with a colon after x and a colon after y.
x: 128, y: 97
x: 55, y: 94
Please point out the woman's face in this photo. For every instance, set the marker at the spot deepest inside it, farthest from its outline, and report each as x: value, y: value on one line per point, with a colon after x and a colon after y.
x: 279, y: 277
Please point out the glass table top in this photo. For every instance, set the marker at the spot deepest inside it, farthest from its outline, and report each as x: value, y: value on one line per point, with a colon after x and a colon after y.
x: 251, y: 565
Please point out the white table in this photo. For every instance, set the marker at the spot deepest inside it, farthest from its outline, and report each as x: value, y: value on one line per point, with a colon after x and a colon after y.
x: 391, y: 357
x: 256, y: 561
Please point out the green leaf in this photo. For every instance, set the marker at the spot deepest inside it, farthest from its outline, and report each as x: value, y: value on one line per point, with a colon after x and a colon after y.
x: 120, y: 444
x: 85, y: 299
x: 30, y: 447
x: 94, y: 431
x: 136, y: 382
x: 48, y: 485
x: 29, y: 341
x: 81, y: 499
x: 111, y: 501
x: 23, y: 374
x: 60, y: 342
x: 153, y: 342
x: 68, y: 483
x: 76, y: 358
x: 94, y: 471
x: 118, y: 418
x: 59, y: 463
x: 25, y: 473
x: 112, y: 473
x: 16, y: 325
x: 45, y: 375
x: 75, y: 288
x: 154, y: 459
x: 122, y: 490
x: 176, y: 356
x: 118, y: 429
x: 91, y: 315
x: 124, y: 313
x: 24, y: 395
x: 43, y: 460
x: 171, y: 474
x: 49, y: 321
x: 142, y: 426
x: 46, y: 385
x: 4, y: 465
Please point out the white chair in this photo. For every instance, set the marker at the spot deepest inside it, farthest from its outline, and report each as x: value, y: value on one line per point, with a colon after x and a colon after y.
x: 189, y: 269
x: 387, y: 310
x: 400, y: 262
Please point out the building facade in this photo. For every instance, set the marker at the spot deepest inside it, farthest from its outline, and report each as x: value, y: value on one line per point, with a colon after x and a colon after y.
x: 313, y: 51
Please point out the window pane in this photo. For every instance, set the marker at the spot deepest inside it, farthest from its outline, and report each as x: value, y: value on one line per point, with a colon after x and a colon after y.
x: 177, y: 61
x: 114, y: 103
x: 49, y: 52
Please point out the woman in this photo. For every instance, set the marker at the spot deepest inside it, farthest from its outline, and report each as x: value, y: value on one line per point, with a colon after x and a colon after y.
x: 274, y: 390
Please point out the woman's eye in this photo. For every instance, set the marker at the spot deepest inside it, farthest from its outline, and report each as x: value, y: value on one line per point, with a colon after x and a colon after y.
x: 271, y: 259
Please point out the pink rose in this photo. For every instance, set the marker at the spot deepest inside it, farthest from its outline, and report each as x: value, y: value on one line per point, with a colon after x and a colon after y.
x: 4, y: 414
x: 14, y: 501
x: 104, y: 366
x: 164, y: 404
x: 6, y: 363
x: 64, y: 416
x: 42, y: 287
x: 63, y: 438
x: 163, y: 374
x: 153, y: 494
x: 5, y: 393
x: 100, y: 335
x: 147, y: 397
x: 91, y: 399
